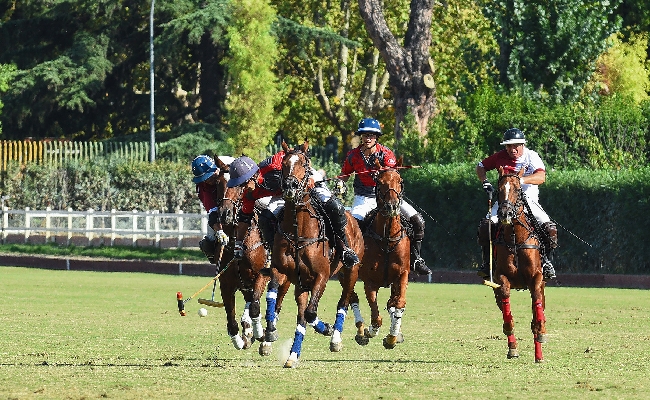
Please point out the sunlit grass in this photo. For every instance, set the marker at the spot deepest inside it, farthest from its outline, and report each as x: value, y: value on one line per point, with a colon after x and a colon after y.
x: 75, y: 334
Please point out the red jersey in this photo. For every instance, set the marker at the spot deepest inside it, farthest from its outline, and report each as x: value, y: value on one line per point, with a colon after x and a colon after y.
x: 208, y: 195
x: 268, y: 182
x: 357, y: 162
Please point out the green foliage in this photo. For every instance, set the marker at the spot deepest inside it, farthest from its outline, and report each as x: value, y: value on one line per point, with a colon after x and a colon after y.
x: 549, y: 47
x: 253, y: 85
x: 623, y: 68
x: 6, y: 72
x: 191, y: 140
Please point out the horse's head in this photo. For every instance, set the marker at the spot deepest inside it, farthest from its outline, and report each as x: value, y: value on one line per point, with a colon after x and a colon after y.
x: 295, y: 172
x: 509, y: 196
x: 389, y: 190
x: 228, y: 198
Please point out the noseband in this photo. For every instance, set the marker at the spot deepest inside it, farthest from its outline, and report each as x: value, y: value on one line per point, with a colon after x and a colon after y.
x: 389, y: 208
x: 292, y: 187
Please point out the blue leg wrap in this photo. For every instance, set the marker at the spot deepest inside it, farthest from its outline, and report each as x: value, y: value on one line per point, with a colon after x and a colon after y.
x: 340, y: 318
x: 271, y: 297
x: 297, y: 340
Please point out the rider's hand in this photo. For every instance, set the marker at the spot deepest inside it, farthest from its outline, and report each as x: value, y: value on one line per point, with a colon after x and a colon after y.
x: 239, y: 249
x: 339, y: 188
x: 487, y: 186
x: 222, y: 238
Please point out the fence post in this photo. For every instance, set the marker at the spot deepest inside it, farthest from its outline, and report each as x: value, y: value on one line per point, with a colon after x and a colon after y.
x: 48, y: 225
x: 134, y: 226
x: 90, y: 222
x: 28, y: 221
x: 5, y: 222
x: 69, y: 226
x: 156, y: 226
x: 204, y: 222
x: 180, y: 228
x: 113, y: 225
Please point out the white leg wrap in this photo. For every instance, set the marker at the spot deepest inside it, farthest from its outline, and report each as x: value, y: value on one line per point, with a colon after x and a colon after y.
x: 395, y: 320
x: 336, y: 337
x: 357, y: 312
x: 237, y: 341
x: 258, y: 329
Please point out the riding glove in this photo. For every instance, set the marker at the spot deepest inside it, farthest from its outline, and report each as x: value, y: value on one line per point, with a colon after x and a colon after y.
x: 339, y: 188
x: 222, y: 238
x: 239, y: 249
x: 487, y: 186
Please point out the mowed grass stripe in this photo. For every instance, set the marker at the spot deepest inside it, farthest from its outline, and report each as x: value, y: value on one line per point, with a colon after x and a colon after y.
x: 75, y: 334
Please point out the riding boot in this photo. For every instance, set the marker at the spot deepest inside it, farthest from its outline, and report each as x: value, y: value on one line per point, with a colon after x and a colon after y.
x: 550, y: 243
x: 417, y: 262
x: 336, y: 214
x: 267, y: 226
x: 484, y: 270
x: 207, y: 246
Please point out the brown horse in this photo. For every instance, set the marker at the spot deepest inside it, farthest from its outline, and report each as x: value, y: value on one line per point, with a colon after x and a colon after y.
x: 303, y: 253
x: 386, y: 259
x: 241, y: 274
x: 518, y: 260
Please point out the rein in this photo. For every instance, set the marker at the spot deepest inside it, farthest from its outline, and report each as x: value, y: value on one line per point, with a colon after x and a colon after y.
x: 523, y: 216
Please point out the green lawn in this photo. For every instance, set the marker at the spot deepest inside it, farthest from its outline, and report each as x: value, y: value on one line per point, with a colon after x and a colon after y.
x: 72, y: 334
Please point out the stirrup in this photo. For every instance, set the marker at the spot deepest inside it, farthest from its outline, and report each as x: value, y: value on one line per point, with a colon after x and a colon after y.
x: 349, y: 258
x: 548, y: 271
x: 420, y: 267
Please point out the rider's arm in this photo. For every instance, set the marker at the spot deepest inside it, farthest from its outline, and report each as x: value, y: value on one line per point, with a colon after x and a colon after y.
x: 536, y: 178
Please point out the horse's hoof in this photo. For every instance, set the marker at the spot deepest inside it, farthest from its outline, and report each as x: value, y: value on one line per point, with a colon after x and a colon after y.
x: 292, y: 361
x: 329, y: 330
x: 370, y: 333
x: 539, y: 360
x: 336, y: 347
x: 390, y: 341
x: 541, y: 338
x: 513, y: 353
x: 247, y: 342
x: 400, y: 338
x: 271, y: 336
x: 265, y: 349
x: 362, y: 340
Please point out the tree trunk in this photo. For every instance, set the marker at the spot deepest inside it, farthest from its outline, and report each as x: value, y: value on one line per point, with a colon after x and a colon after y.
x: 407, y: 65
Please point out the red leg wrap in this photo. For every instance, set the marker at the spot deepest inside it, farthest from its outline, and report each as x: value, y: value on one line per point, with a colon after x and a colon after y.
x: 539, y: 312
x: 507, y: 315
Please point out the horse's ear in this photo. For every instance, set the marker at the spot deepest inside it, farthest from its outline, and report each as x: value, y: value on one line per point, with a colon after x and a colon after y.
x: 222, y: 166
x: 521, y: 172
x: 377, y: 163
x: 400, y: 162
x: 284, y: 146
x: 500, y: 171
x: 304, y: 147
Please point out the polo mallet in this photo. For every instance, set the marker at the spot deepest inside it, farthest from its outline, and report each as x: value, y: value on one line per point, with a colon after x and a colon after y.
x: 179, y: 295
x: 211, y: 302
x: 490, y: 283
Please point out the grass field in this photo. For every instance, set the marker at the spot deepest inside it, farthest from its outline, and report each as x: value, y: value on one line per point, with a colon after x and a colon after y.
x: 87, y: 335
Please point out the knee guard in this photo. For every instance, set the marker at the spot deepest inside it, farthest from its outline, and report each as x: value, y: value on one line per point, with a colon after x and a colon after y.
x: 550, y: 239
x: 336, y: 213
x: 208, y: 246
x: 267, y: 226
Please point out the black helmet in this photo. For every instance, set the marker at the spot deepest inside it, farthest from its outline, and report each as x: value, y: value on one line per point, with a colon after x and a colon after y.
x: 513, y: 136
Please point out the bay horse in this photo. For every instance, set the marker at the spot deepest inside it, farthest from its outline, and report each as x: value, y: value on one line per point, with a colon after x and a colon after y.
x: 303, y: 253
x: 518, y: 260
x: 243, y: 274
x: 386, y: 261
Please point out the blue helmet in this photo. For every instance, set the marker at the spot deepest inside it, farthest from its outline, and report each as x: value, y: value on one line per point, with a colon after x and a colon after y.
x: 203, y: 167
x: 241, y: 170
x: 369, y: 125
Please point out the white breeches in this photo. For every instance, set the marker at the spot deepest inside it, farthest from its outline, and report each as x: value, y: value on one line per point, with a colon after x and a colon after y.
x: 362, y: 205
x: 535, y: 207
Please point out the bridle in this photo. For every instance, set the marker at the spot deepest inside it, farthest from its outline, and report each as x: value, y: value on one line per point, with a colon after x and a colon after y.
x: 388, y: 207
x: 294, y: 189
x: 515, y: 213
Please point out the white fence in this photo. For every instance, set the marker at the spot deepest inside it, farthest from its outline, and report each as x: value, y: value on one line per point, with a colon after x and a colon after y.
x: 129, y: 226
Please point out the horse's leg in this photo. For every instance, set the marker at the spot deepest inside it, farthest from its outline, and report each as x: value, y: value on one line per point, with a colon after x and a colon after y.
x: 358, y: 319
x: 348, y: 281
x: 271, y: 334
x: 299, y: 335
x: 502, y: 296
x: 246, y: 321
x: 538, y: 324
x: 375, y: 318
x: 228, y: 297
x: 255, y: 309
x: 311, y: 313
x: 396, y: 304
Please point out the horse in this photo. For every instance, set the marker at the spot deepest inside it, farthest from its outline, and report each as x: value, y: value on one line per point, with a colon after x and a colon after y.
x: 303, y: 253
x: 386, y: 259
x: 518, y: 260
x: 243, y: 274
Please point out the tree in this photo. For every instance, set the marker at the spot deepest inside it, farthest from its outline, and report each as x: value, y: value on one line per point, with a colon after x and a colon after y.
x: 550, y: 46
x: 407, y: 65
x: 5, y: 76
